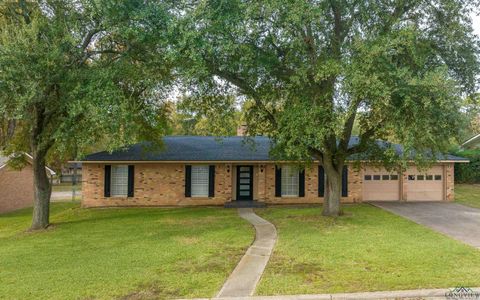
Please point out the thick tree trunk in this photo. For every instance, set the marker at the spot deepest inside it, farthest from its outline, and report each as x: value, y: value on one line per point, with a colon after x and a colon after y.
x: 333, y: 190
x: 42, y: 189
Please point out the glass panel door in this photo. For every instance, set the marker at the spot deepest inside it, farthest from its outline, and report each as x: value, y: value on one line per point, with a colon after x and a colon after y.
x: 244, y: 182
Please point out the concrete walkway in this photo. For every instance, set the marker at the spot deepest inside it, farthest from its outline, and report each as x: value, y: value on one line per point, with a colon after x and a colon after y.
x: 246, y: 275
x: 406, y: 294
x: 455, y: 220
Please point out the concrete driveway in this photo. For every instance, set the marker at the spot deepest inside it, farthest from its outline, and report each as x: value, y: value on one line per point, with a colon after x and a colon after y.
x: 65, y: 196
x: 457, y: 221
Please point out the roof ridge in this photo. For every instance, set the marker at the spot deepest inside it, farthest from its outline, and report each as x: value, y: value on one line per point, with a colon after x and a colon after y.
x: 215, y: 148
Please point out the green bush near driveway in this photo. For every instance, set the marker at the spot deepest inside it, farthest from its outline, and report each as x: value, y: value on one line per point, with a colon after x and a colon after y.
x: 367, y: 249
x: 112, y: 253
x: 468, y: 172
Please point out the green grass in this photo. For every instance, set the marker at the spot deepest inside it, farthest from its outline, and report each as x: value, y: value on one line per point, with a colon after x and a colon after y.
x: 368, y: 249
x: 114, y: 253
x: 468, y: 194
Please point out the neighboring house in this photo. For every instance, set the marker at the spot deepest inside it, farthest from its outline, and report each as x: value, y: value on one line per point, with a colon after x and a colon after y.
x: 71, y: 172
x: 473, y: 142
x: 196, y: 170
x: 16, y: 186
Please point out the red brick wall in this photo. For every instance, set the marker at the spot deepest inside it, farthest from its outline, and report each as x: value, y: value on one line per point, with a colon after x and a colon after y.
x: 311, y: 187
x: 163, y: 184
x: 154, y: 185
x: 16, y: 188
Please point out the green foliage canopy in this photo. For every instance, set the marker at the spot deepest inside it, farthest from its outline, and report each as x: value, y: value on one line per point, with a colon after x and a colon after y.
x: 217, y: 116
x: 76, y: 72
x: 397, y: 69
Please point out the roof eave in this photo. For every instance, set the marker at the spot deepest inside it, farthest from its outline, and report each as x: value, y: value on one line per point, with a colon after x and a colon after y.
x: 30, y: 158
x: 225, y: 161
x: 471, y: 141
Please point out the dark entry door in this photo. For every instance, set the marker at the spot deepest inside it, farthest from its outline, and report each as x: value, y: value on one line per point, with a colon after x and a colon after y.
x: 244, y: 182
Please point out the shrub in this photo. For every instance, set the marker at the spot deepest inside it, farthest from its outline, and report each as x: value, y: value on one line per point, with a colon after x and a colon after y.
x: 468, y: 172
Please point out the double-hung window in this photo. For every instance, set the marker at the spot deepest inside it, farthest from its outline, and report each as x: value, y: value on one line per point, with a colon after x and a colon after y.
x: 119, y: 181
x: 200, y: 175
x: 290, y: 181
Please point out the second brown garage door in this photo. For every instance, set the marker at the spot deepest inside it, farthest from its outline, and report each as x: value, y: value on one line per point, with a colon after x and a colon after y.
x: 380, y: 185
x: 425, y: 185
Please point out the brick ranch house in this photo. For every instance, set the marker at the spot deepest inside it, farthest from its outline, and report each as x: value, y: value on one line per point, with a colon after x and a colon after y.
x: 200, y: 170
x: 16, y: 186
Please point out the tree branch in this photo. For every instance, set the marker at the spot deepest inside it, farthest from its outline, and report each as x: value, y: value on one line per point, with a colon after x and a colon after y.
x: 89, y: 37
x: 337, y: 28
x: 244, y: 86
x: 316, y: 154
x: 363, y: 139
x: 24, y: 11
x: 398, y: 12
x: 348, y: 126
x: 309, y: 41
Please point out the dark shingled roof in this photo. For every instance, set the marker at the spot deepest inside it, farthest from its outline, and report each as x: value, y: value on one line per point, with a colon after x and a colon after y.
x: 209, y: 148
x: 192, y: 148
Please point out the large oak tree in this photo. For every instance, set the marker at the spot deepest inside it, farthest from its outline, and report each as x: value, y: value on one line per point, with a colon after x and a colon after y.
x: 73, y: 73
x: 397, y: 70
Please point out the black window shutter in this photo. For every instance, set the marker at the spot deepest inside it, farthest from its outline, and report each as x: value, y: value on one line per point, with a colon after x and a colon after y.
x: 301, y: 183
x: 345, y: 181
x: 211, y: 181
x: 278, y: 181
x: 131, y: 179
x: 321, y: 181
x: 108, y: 174
x: 188, y: 181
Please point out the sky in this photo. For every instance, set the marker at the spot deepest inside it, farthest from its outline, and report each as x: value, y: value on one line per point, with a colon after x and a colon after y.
x: 476, y: 23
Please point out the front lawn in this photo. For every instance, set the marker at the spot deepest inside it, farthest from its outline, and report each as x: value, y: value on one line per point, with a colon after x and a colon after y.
x: 468, y: 194
x: 368, y: 249
x: 134, y: 253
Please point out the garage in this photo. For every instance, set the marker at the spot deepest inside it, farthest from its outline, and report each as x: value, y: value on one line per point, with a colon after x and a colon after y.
x: 380, y: 185
x: 416, y: 185
x: 425, y: 185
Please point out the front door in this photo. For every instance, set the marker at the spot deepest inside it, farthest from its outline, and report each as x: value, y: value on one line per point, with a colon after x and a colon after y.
x: 244, y: 182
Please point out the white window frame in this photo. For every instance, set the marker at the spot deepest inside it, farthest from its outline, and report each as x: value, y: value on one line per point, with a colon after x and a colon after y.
x: 200, y: 180
x: 119, y: 181
x: 290, y: 181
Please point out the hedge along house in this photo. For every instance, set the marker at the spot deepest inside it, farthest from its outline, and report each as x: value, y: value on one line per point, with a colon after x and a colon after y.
x: 200, y: 170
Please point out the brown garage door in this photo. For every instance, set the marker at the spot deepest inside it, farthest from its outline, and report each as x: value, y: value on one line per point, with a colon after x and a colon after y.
x: 380, y: 185
x: 425, y: 185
